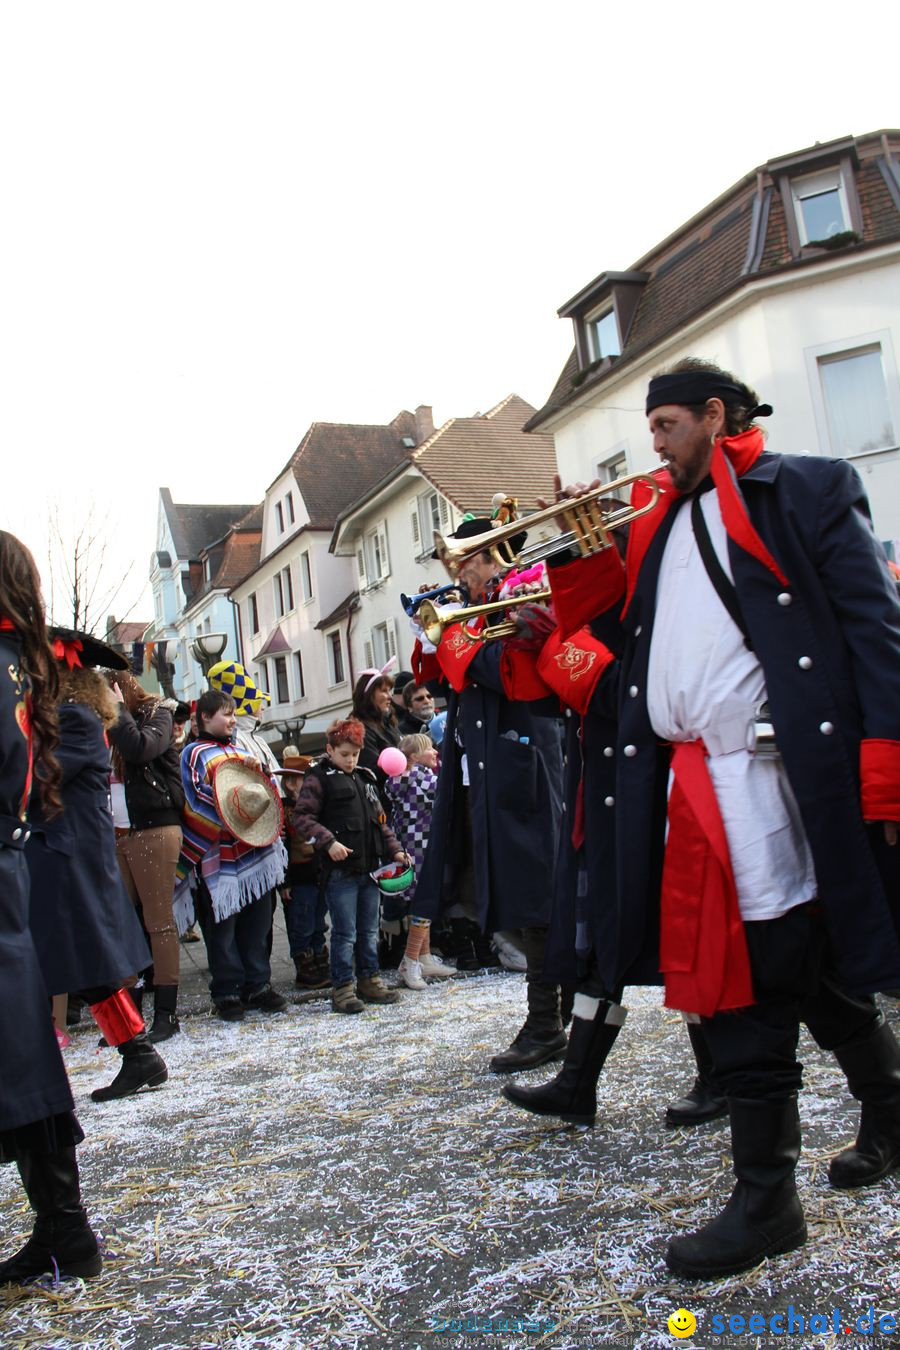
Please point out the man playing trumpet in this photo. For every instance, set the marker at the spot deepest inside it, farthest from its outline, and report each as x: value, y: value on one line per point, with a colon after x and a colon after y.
x: 499, y: 798
x: 762, y: 887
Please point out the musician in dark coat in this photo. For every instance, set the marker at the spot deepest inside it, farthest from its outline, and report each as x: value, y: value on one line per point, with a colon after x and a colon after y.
x: 86, y: 932
x: 501, y: 783
x: 766, y: 887
x: 38, y: 1129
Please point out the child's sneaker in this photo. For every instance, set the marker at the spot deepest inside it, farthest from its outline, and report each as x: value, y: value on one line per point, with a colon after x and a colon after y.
x: 344, y: 1000
x: 410, y: 973
x: 433, y: 969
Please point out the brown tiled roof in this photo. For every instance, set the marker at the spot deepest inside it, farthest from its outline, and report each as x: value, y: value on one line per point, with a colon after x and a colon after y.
x: 469, y: 459
x: 240, y: 556
x: 336, y: 462
x: 715, y: 253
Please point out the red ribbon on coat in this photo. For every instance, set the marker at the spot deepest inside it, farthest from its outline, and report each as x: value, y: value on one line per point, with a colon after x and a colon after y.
x: 703, y: 948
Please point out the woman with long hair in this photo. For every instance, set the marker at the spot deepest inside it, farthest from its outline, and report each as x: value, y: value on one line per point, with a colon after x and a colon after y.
x: 374, y: 707
x: 148, y: 842
x: 38, y: 1129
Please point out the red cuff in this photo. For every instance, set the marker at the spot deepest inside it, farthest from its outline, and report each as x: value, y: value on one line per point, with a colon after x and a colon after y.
x: 879, y: 769
x: 424, y: 665
x: 519, y: 673
x: 456, y: 653
x: 573, y: 668
x: 586, y: 587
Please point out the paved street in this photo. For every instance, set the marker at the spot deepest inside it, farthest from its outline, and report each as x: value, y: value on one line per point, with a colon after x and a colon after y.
x: 306, y: 1180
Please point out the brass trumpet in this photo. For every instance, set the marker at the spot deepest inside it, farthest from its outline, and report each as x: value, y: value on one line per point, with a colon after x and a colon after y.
x: 589, y: 529
x: 433, y: 622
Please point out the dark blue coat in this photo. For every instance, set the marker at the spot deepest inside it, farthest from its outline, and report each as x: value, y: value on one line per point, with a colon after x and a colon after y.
x: 584, y: 908
x: 85, y: 927
x: 33, y: 1082
x: 841, y: 612
x: 515, y: 802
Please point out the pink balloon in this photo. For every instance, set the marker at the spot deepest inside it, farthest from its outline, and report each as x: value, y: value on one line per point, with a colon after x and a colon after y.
x: 392, y: 761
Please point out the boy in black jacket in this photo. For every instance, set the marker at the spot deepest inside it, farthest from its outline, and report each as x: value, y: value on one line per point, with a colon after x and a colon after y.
x: 340, y: 813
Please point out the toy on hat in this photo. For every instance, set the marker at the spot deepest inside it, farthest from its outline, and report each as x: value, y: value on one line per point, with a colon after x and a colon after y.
x: 392, y: 761
x: 230, y: 677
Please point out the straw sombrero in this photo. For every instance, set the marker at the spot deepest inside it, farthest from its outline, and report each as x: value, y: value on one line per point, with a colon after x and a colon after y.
x: 247, y: 803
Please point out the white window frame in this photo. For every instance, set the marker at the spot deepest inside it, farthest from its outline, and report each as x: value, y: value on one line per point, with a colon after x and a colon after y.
x: 287, y: 679
x: 299, y: 676
x: 377, y: 554
x: 262, y: 677
x: 329, y: 636
x: 279, y: 518
x: 604, y: 464
x: 289, y: 503
x: 422, y: 520
x: 304, y: 564
x: 382, y: 642
x: 283, y: 592
x: 253, y: 613
x: 590, y: 332
x: 850, y: 346
x: 826, y: 180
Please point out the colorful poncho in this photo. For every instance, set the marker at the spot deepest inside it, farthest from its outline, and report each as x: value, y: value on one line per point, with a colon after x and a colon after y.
x: 235, y: 873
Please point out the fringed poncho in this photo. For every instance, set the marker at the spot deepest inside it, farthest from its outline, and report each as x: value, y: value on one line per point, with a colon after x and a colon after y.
x: 235, y: 873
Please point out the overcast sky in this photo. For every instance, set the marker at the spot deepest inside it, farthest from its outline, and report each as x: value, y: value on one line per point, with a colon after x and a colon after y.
x: 224, y: 222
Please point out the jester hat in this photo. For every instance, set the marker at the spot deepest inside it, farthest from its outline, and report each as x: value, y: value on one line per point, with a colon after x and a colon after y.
x: 230, y: 677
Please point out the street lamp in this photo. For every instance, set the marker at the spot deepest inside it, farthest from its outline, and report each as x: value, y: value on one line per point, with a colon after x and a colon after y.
x: 207, y: 649
x: 290, y: 727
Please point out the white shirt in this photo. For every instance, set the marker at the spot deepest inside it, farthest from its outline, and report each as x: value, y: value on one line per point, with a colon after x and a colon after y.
x: 704, y: 683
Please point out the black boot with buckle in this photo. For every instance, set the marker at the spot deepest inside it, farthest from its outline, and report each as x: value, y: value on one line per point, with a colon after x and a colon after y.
x: 165, y: 1023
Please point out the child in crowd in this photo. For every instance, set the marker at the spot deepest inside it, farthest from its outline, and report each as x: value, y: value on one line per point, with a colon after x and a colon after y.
x: 304, y: 901
x: 339, y: 811
x: 411, y: 795
x: 235, y: 878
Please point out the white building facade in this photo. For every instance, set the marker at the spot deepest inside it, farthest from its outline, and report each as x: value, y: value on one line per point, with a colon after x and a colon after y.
x: 816, y: 331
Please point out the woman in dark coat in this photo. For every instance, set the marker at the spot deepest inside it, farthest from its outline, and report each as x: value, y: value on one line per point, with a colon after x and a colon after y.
x: 38, y: 1129
x: 86, y: 933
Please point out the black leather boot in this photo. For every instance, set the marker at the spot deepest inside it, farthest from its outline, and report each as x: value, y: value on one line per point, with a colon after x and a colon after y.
x: 142, y: 1066
x: 62, y: 1239
x: 572, y: 1094
x: 763, y: 1217
x: 872, y: 1066
x: 542, y: 1036
x: 702, y: 1102
x: 165, y: 1023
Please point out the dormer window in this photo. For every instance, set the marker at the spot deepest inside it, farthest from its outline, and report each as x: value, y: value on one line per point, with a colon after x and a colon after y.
x: 603, y: 335
x: 820, y: 206
x: 279, y: 517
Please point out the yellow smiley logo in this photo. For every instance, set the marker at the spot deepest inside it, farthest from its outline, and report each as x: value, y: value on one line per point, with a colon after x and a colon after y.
x: 682, y: 1323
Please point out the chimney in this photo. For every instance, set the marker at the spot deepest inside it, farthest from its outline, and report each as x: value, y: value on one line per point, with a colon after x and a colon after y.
x: 424, y: 423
